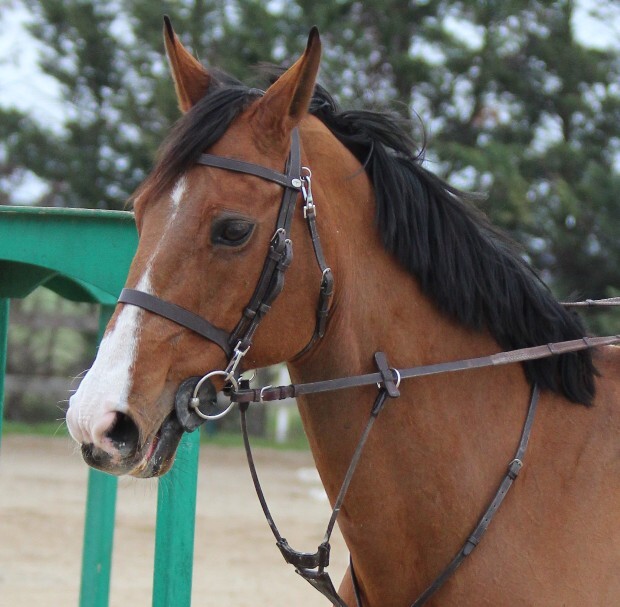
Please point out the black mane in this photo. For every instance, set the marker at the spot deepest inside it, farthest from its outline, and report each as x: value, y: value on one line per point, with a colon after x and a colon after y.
x: 471, y: 271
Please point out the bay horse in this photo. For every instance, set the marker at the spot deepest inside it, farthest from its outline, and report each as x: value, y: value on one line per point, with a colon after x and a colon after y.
x: 418, y: 274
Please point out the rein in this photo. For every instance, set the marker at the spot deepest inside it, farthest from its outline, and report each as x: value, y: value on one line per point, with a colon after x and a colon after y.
x: 193, y: 391
x: 271, y: 393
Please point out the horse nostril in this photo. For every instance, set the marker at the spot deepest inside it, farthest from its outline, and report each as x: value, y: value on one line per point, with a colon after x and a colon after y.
x: 124, y: 434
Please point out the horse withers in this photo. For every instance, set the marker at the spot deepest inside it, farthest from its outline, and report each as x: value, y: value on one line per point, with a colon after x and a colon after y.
x: 417, y: 274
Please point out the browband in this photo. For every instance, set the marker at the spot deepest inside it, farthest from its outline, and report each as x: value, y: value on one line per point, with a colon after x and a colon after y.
x: 247, y: 168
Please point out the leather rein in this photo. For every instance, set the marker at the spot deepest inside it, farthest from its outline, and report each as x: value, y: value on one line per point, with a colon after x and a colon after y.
x: 236, y: 344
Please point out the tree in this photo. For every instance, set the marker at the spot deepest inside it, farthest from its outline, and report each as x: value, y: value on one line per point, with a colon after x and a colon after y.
x: 510, y: 102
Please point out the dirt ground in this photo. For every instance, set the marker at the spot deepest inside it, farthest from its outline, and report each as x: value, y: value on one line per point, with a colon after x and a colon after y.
x: 42, y: 498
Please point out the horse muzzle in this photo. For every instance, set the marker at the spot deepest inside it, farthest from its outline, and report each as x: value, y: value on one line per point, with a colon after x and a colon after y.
x: 115, y: 444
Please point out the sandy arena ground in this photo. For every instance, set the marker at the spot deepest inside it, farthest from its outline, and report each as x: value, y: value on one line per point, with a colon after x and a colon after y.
x: 42, y: 497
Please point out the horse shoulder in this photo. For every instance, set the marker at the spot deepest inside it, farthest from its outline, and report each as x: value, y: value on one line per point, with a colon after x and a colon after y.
x: 607, y: 402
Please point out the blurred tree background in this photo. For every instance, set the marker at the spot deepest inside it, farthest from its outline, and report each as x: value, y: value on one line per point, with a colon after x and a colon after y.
x: 507, y: 99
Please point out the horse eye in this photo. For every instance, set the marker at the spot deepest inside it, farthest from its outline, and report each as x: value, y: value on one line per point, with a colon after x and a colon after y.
x: 232, y: 232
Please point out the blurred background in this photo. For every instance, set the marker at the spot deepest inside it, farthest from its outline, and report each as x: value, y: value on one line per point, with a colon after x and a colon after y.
x: 515, y: 99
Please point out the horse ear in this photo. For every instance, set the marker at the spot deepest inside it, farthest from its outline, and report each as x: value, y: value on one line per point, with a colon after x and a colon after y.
x: 286, y: 101
x: 191, y: 79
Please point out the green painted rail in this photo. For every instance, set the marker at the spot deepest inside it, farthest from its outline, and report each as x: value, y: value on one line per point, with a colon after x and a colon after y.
x: 84, y: 255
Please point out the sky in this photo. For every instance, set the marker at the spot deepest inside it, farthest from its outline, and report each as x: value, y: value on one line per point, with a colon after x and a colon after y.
x: 24, y: 86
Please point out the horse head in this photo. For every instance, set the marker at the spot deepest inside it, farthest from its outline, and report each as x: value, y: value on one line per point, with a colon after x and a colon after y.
x: 204, y: 233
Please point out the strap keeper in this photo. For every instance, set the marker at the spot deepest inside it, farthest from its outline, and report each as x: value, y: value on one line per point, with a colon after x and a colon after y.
x: 305, y: 560
x: 327, y: 282
x: 470, y: 544
x: 387, y: 375
x: 263, y: 309
x: 249, y: 313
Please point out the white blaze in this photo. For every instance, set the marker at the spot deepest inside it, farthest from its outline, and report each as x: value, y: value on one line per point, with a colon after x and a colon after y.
x: 177, y: 195
x: 105, y: 388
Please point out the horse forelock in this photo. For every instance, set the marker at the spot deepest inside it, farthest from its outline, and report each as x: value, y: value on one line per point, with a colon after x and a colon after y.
x: 196, y: 131
x: 468, y: 268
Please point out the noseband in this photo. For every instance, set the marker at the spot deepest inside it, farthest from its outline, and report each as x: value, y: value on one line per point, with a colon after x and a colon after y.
x: 236, y: 344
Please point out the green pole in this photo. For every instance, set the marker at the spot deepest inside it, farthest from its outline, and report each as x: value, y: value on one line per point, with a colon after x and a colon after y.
x: 98, y: 539
x: 4, y: 330
x: 99, y: 525
x: 174, y: 534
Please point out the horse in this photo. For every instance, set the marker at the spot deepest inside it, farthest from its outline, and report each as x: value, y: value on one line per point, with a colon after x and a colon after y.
x: 416, y: 273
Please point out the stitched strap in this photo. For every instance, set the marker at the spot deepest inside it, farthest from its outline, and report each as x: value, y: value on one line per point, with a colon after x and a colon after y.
x: 247, y: 168
x: 514, y: 467
x: 326, y: 289
x: 503, y: 358
x: 309, y: 565
x: 179, y: 315
x: 280, y: 255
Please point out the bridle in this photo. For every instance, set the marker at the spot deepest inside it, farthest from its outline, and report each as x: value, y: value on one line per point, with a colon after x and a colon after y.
x: 236, y: 344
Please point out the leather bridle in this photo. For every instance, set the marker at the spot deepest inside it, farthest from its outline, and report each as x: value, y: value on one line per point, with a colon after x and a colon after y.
x: 296, y: 180
x: 236, y: 344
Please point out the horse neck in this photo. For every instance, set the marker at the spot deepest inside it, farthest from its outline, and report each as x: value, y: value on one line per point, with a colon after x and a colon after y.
x: 439, y: 448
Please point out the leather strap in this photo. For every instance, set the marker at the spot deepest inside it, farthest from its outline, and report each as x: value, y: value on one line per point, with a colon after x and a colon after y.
x: 248, y: 168
x: 503, y: 358
x: 179, y: 315
x: 311, y: 566
x: 280, y: 255
x: 514, y: 467
x: 326, y: 289
x: 271, y: 280
x: 593, y: 303
x: 356, y: 585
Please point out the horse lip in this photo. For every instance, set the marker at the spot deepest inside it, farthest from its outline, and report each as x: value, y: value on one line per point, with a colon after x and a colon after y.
x: 102, y: 460
x: 160, y: 456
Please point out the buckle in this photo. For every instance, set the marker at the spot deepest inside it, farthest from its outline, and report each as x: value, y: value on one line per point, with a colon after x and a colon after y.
x: 514, y: 467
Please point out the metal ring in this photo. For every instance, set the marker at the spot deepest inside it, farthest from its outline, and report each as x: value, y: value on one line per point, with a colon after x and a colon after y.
x: 325, y: 271
x: 397, y: 376
x: 309, y: 172
x: 229, y: 378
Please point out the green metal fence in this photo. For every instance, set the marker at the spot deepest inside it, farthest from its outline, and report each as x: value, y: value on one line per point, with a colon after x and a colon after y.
x: 84, y: 255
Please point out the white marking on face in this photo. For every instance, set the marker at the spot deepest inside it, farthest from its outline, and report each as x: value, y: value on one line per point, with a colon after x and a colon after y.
x: 178, y: 192
x: 105, y: 388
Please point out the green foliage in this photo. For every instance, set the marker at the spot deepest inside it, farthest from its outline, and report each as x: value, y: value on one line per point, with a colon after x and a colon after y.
x: 38, y: 428
x: 513, y: 106
x: 45, y: 354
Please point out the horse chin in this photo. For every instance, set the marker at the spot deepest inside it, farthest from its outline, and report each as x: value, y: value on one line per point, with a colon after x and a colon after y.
x: 160, y: 450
